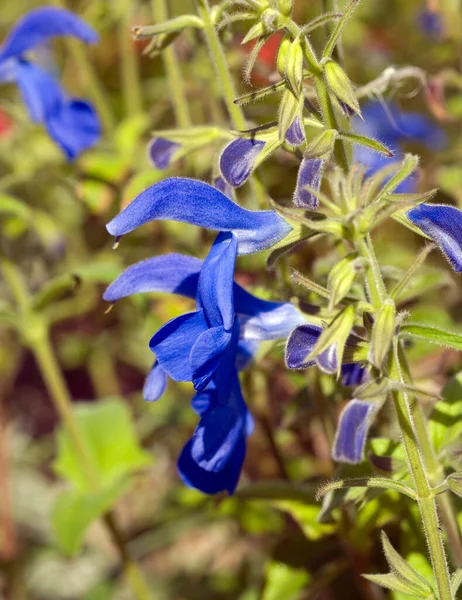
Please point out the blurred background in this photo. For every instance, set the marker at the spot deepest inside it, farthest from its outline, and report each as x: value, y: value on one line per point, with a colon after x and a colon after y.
x: 260, y: 543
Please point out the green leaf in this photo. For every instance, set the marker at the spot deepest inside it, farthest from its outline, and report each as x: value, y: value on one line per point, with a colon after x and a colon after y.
x: 363, y: 140
x: 394, y: 583
x: 429, y: 333
x: 110, y: 441
x: 445, y: 424
x: 403, y: 570
x: 172, y: 26
x: 284, y: 582
x: 74, y: 512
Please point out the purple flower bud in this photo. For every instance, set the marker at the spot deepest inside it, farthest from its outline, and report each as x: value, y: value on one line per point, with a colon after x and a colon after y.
x: 161, y: 152
x: 353, y: 375
x: 155, y: 384
x: 295, y: 134
x: 299, y: 344
x: 238, y: 159
x: 309, y: 175
x: 443, y: 224
x: 352, y: 430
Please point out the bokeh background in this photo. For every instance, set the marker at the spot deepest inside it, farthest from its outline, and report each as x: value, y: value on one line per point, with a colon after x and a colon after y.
x: 52, y: 224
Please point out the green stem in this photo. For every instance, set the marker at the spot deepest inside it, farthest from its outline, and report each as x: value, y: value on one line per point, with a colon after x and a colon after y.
x: 411, y: 440
x: 130, y: 70
x: 221, y: 66
x: 330, y: 120
x: 173, y: 71
x: 37, y: 338
x: 95, y: 90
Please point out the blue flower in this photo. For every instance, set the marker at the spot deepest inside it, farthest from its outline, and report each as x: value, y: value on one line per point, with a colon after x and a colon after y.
x: 301, y: 342
x: 392, y: 126
x: 72, y: 123
x: 161, y: 152
x: 295, y: 135
x: 198, y: 203
x: 208, y: 347
x: 443, y: 224
x: 352, y: 429
x: 431, y: 23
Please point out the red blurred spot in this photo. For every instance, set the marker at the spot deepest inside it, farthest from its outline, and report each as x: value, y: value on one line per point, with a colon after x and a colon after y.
x: 6, y: 124
x: 265, y: 64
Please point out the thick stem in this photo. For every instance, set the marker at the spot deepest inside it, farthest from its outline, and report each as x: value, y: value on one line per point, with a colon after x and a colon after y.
x: 411, y: 440
x: 173, y: 72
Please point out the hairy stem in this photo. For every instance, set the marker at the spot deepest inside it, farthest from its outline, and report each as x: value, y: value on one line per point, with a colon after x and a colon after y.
x: 173, y: 72
x: 130, y: 70
x: 411, y: 440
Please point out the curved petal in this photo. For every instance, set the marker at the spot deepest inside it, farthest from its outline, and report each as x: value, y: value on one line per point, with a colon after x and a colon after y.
x: 42, y: 95
x: 327, y: 361
x: 75, y: 128
x: 245, y: 353
x: 238, y: 159
x: 221, y: 185
x: 161, y: 152
x: 197, y: 203
x: 263, y: 320
x: 172, y: 344
x: 205, y: 400
x: 41, y: 24
x: 207, y: 354
x: 216, y: 282
x: 216, y: 436
x: 295, y: 135
x: 352, y: 430
x: 212, y: 482
x: 155, y: 383
x: 309, y: 175
x: 299, y: 344
x: 170, y: 273
x: 444, y: 225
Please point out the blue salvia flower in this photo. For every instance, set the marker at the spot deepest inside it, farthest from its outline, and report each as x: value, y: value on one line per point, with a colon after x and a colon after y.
x: 208, y: 347
x: 198, y: 203
x: 72, y: 123
x: 224, y: 187
x: 352, y: 429
x: 301, y: 342
x: 161, y: 152
x: 443, y: 224
x: 393, y: 127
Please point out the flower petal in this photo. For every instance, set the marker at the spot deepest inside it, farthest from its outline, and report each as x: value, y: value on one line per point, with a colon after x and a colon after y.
x: 444, y: 225
x: 169, y: 273
x: 41, y: 24
x: 352, y: 429
x: 264, y: 320
x: 238, y: 159
x: 172, y: 344
x: 207, y: 354
x: 216, y: 282
x: 42, y: 95
x: 155, y: 383
x: 212, y: 482
x: 75, y: 127
x: 205, y: 400
x: 327, y: 361
x: 197, y: 203
x: 161, y: 152
x: 309, y: 174
x: 295, y: 135
x: 299, y: 344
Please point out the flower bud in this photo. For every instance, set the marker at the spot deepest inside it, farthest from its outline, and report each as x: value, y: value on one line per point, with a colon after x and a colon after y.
x: 342, y: 277
x: 340, y: 85
x: 382, y: 334
x: 238, y: 159
x: 283, y: 51
x: 161, y: 152
x: 322, y: 145
x: 285, y: 6
x: 293, y: 69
